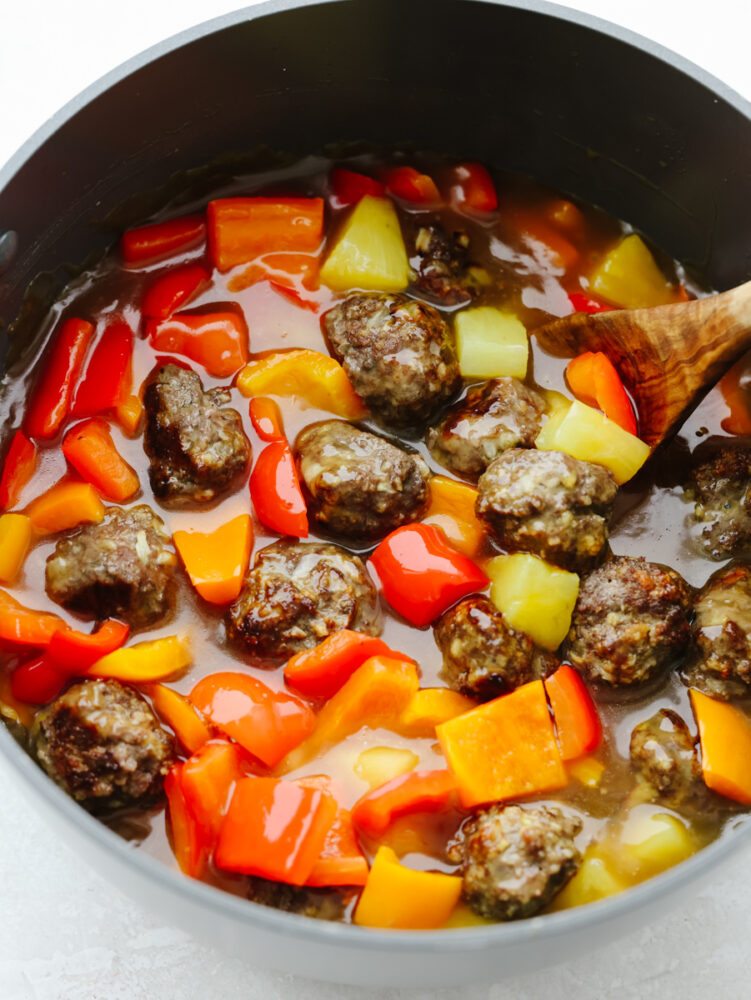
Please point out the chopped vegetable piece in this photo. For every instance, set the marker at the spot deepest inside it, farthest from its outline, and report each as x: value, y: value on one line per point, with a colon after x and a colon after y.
x: 146, y: 243
x: 321, y: 671
x: 629, y: 277
x: 266, y: 418
x: 145, y: 662
x: 11, y: 708
x: 378, y: 765
x: 587, y: 770
x: 418, y: 791
x: 19, y: 624
x: 91, y: 451
x: 275, y: 828
x: 216, y: 561
x: 216, y: 341
x: 398, y: 897
x: 37, y: 681
x: 429, y: 707
x: 275, y: 491
x: 564, y: 214
x: 421, y: 574
x: 180, y: 715
x: 50, y: 400
x: 349, y: 187
x: 588, y: 435
x: 106, y: 381
x: 287, y: 273
x: 369, y: 252
x: 650, y: 842
x: 242, y: 228
x: 546, y: 243
x: 593, y: 379
x: 594, y: 880
x: 15, y: 538
x: 534, y: 596
x: 410, y: 185
x: 64, y: 506
x: 208, y: 781
x: 173, y: 290
x: 341, y: 861
x: 725, y: 737
x: 73, y: 652
x: 577, y: 723
x: 474, y: 188
x: 452, y: 509
x: 587, y: 304
x: 129, y: 414
x: 314, y: 377
x: 491, y: 343
x: 187, y: 843
x: 504, y: 749
x: 267, y: 723
x: 18, y: 468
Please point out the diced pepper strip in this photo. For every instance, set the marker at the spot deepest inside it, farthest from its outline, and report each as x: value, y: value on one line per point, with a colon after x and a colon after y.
x: 181, y: 716
x: 341, y: 861
x: 421, y: 574
x: 588, y: 304
x: 129, y: 414
x: 429, y: 707
x: 577, y: 723
x: 275, y: 829
x: 418, y: 791
x: 266, y: 418
x: 208, y: 781
x: 348, y: 187
x: 410, y: 185
x: 146, y: 243
x: 18, y: 468
x: 452, y: 509
x: 106, y: 382
x: 504, y: 749
x: 725, y: 737
x: 313, y: 377
x: 399, y: 897
x: 216, y: 341
x: 73, y: 652
x: 268, y: 724
x: 15, y: 539
x: 37, y: 681
x: 91, y: 451
x: 242, y: 228
x: 64, y: 506
x: 19, y: 624
x: 144, y: 662
x: 544, y: 240
x: 173, y: 290
x: 593, y: 379
x: 216, y: 561
x: 275, y: 491
x: 187, y: 843
x: 474, y: 188
x: 50, y: 400
x: 321, y: 671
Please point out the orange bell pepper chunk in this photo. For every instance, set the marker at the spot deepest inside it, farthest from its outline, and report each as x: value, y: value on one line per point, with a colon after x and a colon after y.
x: 290, y: 274
x: 144, y: 662
x: 15, y: 539
x: 216, y: 341
x: 545, y: 240
x: 417, y: 791
x: 593, y: 379
x: 91, y: 451
x: 73, y: 652
x: 452, y: 508
x: 577, y: 723
x: 190, y: 851
x: 734, y: 386
x: 191, y: 729
x: 321, y: 671
x: 399, y: 897
x: 17, y: 469
x: 725, y: 738
x: 341, y: 861
x: 504, y: 749
x: 412, y: 186
x: 19, y: 624
x: 208, y: 781
x: 64, y: 506
x: 266, y: 418
x: 429, y: 707
x: 129, y: 415
x: 242, y: 228
x: 216, y: 561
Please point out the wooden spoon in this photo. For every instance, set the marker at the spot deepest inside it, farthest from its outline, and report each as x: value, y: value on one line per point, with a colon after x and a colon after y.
x: 668, y: 356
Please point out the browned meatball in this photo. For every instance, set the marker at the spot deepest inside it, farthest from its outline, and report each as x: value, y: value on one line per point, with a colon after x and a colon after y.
x: 359, y: 486
x: 103, y: 745
x: 503, y: 413
x: 631, y: 619
x: 324, y: 904
x: 398, y: 354
x: 515, y: 859
x: 122, y: 567
x: 548, y: 503
x: 296, y: 594
x: 722, y: 634
x: 195, y: 444
x: 482, y: 655
x: 440, y: 262
x: 723, y: 499
x: 664, y: 757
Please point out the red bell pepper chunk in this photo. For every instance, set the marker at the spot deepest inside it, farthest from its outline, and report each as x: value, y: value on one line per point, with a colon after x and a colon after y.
x: 275, y: 491
x: 341, y: 861
x: 173, y: 290
x: 37, y: 681
x: 217, y: 341
x: 72, y: 652
x: 421, y: 574
x: 106, y: 381
x: 208, y: 780
x: 587, y: 304
x: 321, y: 671
x: 50, y: 400
x: 146, y: 243
x: 266, y: 418
x: 18, y: 468
x: 266, y: 723
x: 474, y: 188
x: 577, y: 724
x: 418, y: 791
x: 410, y: 185
x: 593, y: 379
x: 274, y: 828
x: 190, y: 849
x: 349, y: 187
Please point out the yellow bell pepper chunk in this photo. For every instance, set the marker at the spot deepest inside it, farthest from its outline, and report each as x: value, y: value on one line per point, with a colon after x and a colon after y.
x: 533, y: 596
x: 399, y: 897
x: 452, y: 509
x: 629, y: 277
x: 377, y: 765
x: 309, y: 375
x: 491, y: 343
x: 429, y: 707
x: 369, y: 252
x: 15, y: 538
x: 587, y: 434
x: 145, y: 662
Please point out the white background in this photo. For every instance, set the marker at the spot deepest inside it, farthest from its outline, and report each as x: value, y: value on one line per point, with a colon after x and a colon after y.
x: 64, y: 933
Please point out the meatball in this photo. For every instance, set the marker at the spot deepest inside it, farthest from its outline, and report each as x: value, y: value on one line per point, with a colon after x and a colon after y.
x: 515, y: 859
x: 440, y: 261
x: 501, y: 414
x: 103, y: 745
x: 631, y: 619
x: 722, y: 635
x: 325, y: 904
x: 359, y: 486
x: 664, y: 757
x: 122, y: 567
x: 548, y: 503
x: 297, y: 593
x: 722, y: 489
x: 196, y: 447
x: 397, y: 353
x: 482, y: 655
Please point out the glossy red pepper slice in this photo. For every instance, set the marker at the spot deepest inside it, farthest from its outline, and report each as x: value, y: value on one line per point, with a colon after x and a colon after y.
x: 474, y: 188
x: 577, y: 724
x: 173, y: 290
x: 188, y: 845
x: 593, y: 379
x: 410, y: 185
x: 147, y: 243
x: 106, y: 381
x: 418, y: 791
x: 37, y: 681
x: 217, y: 341
x: 18, y: 468
x: 275, y: 491
x: 266, y: 418
x: 50, y: 400
x: 348, y: 187
x: 321, y: 671
x: 587, y: 304
x: 72, y: 652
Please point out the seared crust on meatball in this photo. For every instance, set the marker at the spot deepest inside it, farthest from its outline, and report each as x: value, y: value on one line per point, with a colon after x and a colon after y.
x: 722, y: 489
x: 631, y: 619
x: 324, y: 904
x: 722, y: 635
x: 196, y: 445
x: 122, y: 567
x: 440, y: 261
x: 664, y: 756
x: 398, y: 354
x: 548, y: 503
x: 515, y: 859
x: 484, y: 657
x: 358, y: 485
x: 503, y: 413
x: 296, y: 594
x: 103, y: 745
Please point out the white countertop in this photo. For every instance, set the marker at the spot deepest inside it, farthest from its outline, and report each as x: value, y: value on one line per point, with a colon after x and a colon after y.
x: 65, y: 934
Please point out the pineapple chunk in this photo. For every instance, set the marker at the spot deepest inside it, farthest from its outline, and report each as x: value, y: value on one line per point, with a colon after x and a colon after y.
x: 533, y: 596
x: 587, y: 770
x: 491, y: 343
x: 462, y: 916
x: 587, y: 434
x: 651, y: 842
x: 594, y: 880
x: 380, y: 764
x: 369, y: 252
x: 555, y: 401
x: 629, y: 277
